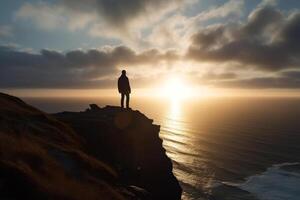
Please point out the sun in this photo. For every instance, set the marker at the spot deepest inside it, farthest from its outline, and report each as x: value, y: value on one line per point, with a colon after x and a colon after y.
x: 175, y: 88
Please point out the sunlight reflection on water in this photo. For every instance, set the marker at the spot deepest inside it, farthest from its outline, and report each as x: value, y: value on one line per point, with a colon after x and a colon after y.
x: 175, y: 110
x: 175, y: 140
x: 178, y: 140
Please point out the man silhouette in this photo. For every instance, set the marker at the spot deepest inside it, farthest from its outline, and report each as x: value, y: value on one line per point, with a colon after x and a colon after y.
x: 124, y: 88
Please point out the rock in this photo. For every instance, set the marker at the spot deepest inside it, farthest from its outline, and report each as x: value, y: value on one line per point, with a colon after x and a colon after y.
x: 101, y: 153
x: 94, y: 107
x: 129, y: 142
x: 42, y: 158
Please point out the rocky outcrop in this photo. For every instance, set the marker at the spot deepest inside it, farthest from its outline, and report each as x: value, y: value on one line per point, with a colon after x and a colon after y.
x: 102, y: 153
x: 130, y: 143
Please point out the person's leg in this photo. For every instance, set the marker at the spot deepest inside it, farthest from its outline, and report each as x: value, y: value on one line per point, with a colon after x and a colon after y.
x: 127, y: 100
x: 122, y: 100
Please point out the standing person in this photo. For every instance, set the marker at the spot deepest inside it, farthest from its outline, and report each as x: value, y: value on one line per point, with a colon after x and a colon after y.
x: 124, y: 88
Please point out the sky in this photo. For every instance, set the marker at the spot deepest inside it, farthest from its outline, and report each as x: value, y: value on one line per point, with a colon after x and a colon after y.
x: 71, y: 45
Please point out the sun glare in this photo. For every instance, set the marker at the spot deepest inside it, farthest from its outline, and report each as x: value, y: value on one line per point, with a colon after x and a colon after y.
x: 176, y: 89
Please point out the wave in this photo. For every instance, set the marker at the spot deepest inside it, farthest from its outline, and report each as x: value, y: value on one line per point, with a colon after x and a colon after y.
x: 191, y: 192
x: 176, y: 120
x: 279, y: 182
x: 176, y: 140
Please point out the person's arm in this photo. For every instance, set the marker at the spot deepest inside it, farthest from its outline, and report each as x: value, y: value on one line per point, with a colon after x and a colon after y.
x: 119, y: 85
x: 129, y: 86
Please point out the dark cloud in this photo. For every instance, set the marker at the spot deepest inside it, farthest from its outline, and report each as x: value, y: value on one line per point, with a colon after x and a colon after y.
x: 259, y: 21
x: 211, y: 76
x: 74, y: 69
x: 119, y: 12
x: 268, y: 41
x: 262, y: 83
x: 291, y: 74
x: 282, y: 80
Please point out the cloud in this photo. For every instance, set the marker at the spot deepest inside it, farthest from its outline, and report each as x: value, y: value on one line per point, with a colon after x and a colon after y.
x: 267, y: 41
x: 6, y: 31
x: 169, y: 33
x: 261, y: 83
x: 174, y: 31
x: 265, y: 3
x: 230, y: 8
x: 289, y: 79
x: 212, y: 76
x: 73, y: 69
x: 119, y: 13
x: 53, y: 16
x: 117, y: 19
x: 124, y: 20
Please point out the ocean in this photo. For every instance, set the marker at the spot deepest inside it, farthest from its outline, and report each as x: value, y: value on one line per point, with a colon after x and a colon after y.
x: 221, y: 147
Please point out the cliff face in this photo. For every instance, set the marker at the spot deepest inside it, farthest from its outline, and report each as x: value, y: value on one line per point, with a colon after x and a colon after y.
x: 105, y: 153
x: 129, y: 142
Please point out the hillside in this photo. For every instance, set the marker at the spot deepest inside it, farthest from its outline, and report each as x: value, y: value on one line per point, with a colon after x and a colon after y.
x: 101, y: 153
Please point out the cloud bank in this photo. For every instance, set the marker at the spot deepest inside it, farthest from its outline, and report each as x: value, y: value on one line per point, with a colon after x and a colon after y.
x: 267, y: 41
x: 73, y: 69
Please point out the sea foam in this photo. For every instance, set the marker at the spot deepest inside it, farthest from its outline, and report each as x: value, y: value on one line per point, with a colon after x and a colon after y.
x: 279, y: 182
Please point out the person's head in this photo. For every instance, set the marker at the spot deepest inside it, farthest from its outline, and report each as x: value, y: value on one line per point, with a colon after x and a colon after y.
x: 123, y: 72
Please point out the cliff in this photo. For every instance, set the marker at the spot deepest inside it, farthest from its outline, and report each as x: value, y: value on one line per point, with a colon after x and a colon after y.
x: 101, y: 153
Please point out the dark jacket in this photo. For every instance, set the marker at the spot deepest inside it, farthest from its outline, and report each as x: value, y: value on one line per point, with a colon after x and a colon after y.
x: 123, y: 85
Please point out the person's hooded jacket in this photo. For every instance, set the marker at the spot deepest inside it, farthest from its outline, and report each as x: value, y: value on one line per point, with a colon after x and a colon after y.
x: 123, y: 85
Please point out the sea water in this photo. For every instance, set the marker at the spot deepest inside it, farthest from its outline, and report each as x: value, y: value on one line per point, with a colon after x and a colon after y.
x: 221, y: 148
